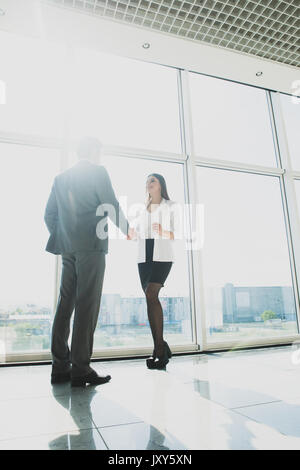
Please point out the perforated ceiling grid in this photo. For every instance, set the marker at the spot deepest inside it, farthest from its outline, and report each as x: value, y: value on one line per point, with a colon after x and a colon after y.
x: 264, y: 28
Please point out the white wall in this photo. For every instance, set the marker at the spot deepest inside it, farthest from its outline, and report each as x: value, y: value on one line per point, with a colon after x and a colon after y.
x: 44, y: 20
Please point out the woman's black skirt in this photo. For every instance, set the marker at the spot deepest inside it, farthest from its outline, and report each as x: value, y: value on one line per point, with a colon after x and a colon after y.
x: 153, y: 271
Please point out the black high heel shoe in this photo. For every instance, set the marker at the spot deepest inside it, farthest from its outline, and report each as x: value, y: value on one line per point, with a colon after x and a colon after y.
x: 160, y: 362
x: 151, y: 359
x: 153, y: 356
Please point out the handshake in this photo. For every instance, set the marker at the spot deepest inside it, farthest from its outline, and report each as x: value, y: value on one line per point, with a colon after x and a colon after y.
x: 131, y: 235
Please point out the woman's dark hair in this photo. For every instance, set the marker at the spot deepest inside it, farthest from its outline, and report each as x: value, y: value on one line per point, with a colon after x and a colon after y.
x: 163, y: 185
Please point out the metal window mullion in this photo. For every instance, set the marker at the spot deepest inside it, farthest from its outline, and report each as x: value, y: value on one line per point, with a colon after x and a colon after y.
x: 186, y: 198
x: 288, y: 193
x: 236, y: 166
x: 64, y: 156
x: 289, y: 198
x: 252, y: 343
x: 133, y: 152
x: 197, y: 286
x: 30, y: 140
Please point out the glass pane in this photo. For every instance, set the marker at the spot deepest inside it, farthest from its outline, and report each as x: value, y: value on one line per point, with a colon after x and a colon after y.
x: 32, y: 71
x: 123, y: 316
x: 297, y: 187
x: 231, y: 121
x: 124, y: 102
x: 248, y: 287
x: 291, y: 115
x: 26, y: 270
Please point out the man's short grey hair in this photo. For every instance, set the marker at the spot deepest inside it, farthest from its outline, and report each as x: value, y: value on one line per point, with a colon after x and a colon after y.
x: 86, y: 147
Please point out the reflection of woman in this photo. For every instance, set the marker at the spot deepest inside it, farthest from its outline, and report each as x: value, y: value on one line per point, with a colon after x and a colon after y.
x: 155, y: 231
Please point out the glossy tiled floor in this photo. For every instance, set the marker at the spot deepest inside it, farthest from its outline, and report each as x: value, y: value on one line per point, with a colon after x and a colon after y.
x: 231, y: 400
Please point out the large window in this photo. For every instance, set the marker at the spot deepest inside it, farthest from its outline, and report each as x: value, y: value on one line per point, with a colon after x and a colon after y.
x: 246, y: 267
x: 33, y: 72
x: 123, y: 318
x: 124, y: 102
x: 54, y: 95
x: 26, y: 270
x: 291, y: 115
x: 231, y: 121
x: 297, y: 187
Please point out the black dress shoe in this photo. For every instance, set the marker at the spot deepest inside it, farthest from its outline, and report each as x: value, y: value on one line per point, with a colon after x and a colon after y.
x: 93, y: 379
x: 60, y: 378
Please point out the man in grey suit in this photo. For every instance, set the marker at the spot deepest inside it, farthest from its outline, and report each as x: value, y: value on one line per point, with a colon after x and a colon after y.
x: 72, y: 218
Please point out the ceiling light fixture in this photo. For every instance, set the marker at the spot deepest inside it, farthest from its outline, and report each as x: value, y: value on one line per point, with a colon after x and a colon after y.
x: 259, y: 74
x: 146, y: 45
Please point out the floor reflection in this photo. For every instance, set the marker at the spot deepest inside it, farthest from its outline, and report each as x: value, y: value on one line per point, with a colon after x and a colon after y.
x: 78, y: 403
x: 156, y: 440
x: 239, y: 400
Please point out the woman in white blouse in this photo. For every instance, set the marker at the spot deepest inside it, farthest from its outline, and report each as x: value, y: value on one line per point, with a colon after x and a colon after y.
x: 154, y: 230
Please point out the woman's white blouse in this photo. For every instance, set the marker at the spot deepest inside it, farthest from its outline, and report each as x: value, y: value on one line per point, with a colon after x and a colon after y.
x: 167, y: 214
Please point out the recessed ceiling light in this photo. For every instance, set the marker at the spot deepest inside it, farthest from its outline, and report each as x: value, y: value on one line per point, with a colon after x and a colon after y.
x: 259, y: 74
x: 146, y: 45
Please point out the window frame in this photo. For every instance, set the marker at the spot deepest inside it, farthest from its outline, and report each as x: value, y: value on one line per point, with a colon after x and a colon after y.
x: 190, y: 161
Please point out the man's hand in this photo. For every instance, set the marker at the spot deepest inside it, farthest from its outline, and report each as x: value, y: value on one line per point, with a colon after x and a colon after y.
x: 131, y: 235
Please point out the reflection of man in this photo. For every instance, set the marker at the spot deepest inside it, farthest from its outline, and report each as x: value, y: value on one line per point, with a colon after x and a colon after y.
x: 79, y: 407
x: 71, y: 219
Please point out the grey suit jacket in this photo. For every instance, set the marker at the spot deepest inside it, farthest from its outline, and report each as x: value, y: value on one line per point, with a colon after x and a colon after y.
x: 70, y: 213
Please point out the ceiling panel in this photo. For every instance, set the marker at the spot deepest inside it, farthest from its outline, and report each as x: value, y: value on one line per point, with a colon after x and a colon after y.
x: 264, y: 28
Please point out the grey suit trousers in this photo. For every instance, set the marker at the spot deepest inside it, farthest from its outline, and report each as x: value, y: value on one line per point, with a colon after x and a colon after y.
x: 80, y: 289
